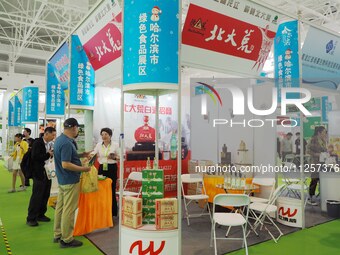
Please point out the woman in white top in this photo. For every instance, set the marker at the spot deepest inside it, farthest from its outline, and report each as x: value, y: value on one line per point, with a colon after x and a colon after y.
x: 108, y: 153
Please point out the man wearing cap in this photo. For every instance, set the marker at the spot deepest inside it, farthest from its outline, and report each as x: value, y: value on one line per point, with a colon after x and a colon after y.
x: 68, y: 170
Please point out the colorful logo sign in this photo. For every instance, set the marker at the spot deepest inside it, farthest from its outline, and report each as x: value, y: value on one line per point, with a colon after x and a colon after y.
x: 150, y: 250
x: 208, y: 89
x: 287, y: 212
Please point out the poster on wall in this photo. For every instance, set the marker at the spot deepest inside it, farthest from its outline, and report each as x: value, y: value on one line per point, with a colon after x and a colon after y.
x: 55, y: 95
x: 100, y: 35
x: 286, y: 58
x: 218, y: 32
x: 11, y: 112
x: 60, y: 63
x: 150, y: 45
x: 17, y: 108
x: 321, y: 59
x: 30, y: 99
x: 82, y: 77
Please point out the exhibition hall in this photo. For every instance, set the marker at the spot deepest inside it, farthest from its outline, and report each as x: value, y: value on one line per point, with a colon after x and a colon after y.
x: 172, y: 127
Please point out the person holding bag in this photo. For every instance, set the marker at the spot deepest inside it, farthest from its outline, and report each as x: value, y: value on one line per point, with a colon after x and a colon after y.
x: 68, y: 169
x: 107, y: 154
x: 40, y: 154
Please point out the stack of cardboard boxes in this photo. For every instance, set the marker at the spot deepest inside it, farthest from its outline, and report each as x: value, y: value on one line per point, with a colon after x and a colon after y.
x: 166, y: 213
x: 132, y: 212
x: 152, y: 189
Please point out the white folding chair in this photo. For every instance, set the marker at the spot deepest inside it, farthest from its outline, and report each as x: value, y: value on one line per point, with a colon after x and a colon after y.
x: 232, y: 219
x: 263, y: 182
x: 264, y: 210
x: 198, y: 179
x: 133, y: 176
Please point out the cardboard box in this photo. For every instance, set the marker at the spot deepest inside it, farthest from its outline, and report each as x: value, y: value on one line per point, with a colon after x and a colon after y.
x: 166, y: 206
x: 166, y: 221
x: 132, y: 220
x: 132, y: 205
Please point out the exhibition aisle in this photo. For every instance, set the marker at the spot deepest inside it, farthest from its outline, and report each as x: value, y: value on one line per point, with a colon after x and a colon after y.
x: 321, y: 239
x: 24, y: 240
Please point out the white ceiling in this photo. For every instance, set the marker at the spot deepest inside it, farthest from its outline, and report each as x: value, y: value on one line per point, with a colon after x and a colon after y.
x: 30, y: 30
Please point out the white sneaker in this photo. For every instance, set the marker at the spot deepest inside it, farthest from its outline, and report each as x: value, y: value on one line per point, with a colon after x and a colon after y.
x: 311, y: 202
x: 11, y: 191
x: 22, y: 188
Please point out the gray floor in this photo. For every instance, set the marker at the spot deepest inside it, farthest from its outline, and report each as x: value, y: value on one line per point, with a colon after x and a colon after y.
x: 196, y: 237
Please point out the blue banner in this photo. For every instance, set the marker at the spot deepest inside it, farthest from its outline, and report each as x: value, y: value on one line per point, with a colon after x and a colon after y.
x: 321, y: 59
x: 60, y: 62
x: 11, y: 112
x: 17, y: 108
x: 30, y: 104
x: 286, y: 58
x: 150, y: 44
x: 82, y: 77
x: 324, y: 108
x: 55, y: 97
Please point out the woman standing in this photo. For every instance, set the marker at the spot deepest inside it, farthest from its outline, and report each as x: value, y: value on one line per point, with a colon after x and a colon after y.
x: 315, y: 147
x: 20, y: 149
x: 108, y: 154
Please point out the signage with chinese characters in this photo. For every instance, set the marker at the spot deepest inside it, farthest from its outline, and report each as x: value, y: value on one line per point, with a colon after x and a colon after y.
x: 101, y: 36
x: 55, y: 97
x: 82, y: 77
x: 228, y: 35
x: 286, y: 58
x: 11, y: 112
x: 17, y: 108
x: 60, y: 62
x: 150, y: 45
x: 30, y: 103
x: 321, y: 59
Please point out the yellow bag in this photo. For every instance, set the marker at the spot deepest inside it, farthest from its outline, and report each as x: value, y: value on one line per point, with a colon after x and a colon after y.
x: 89, y: 181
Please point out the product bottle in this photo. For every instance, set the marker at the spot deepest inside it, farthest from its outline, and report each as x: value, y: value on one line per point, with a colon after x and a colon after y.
x: 155, y: 164
x: 243, y: 181
x: 233, y: 180
x: 229, y: 179
x: 148, y: 164
x: 225, y: 180
x: 173, y: 146
x: 238, y: 181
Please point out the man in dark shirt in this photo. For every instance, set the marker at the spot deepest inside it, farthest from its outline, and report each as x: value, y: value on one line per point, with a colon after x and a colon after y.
x: 27, y: 137
x: 40, y: 153
x: 68, y: 169
x: 297, y: 144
